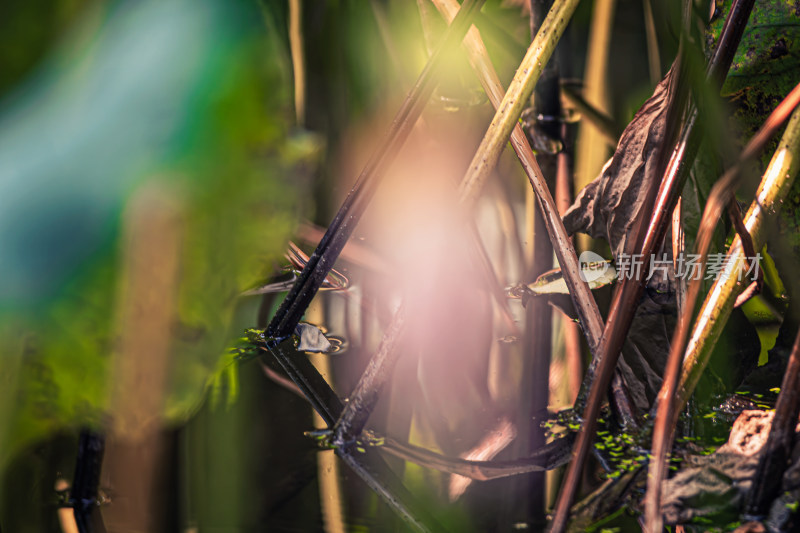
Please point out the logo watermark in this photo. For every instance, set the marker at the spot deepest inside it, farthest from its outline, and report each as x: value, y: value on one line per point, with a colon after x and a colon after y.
x: 687, y: 266
x: 593, y: 266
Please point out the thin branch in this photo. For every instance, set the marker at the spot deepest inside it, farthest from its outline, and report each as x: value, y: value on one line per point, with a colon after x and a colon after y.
x: 286, y: 383
x: 749, y: 251
x: 678, y: 249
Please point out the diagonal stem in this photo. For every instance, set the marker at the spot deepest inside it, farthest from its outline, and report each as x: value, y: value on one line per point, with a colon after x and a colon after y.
x: 773, y: 189
x: 297, y: 366
x: 604, y: 124
x: 364, y: 397
x: 343, y: 224
x: 357, y: 411
x: 548, y: 457
x: 589, y: 315
x: 371, y: 468
x: 749, y: 248
x: 587, y: 309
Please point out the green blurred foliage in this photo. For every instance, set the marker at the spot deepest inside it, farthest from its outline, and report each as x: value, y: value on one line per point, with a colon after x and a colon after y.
x: 192, y: 95
x: 765, y: 67
x: 763, y: 72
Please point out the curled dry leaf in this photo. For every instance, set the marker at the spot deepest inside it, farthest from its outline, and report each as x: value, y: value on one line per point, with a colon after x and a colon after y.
x: 713, y: 487
x: 597, y: 274
x: 608, y: 207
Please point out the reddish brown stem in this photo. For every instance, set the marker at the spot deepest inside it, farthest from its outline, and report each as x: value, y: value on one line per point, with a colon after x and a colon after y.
x: 754, y: 288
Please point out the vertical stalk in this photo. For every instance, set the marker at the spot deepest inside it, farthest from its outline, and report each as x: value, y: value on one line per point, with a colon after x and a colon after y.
x: 626, y: 296
x: 330, y: 490
x: 298, y: 59
x: 592, y: 151
x: 83, y: 494
x: 570, y: 330
x: 539, y: 324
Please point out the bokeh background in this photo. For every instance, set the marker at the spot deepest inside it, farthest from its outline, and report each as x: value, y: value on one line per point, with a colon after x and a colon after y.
x: 155, y: 159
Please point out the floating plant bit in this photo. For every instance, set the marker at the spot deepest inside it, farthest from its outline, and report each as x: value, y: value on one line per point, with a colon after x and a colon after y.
x: 311, y: 339
x: 323, y: 437
x: 596, y: 273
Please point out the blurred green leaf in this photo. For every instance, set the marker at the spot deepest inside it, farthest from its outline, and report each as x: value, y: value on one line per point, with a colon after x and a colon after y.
x: 195, y: 95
